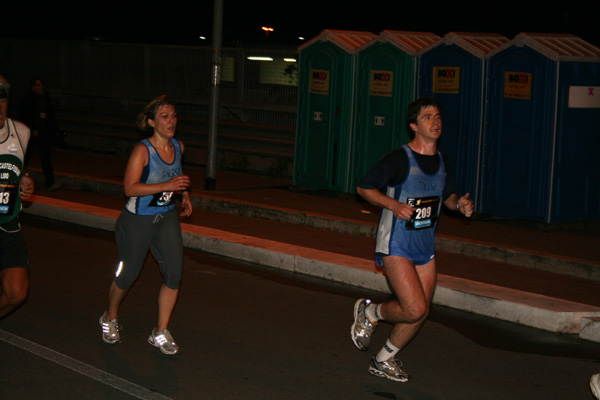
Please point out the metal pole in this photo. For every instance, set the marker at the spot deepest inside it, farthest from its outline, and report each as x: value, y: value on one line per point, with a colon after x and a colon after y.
x: 211, y: 162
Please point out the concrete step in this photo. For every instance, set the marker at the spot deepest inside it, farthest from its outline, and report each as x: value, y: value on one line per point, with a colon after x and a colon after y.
x: 590, y: 328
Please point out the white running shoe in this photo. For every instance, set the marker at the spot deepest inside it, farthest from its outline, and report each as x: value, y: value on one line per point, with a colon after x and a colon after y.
x: 389, y: 369
x: 164, y: 341
x: 362, y: 328
x: 110, y: 330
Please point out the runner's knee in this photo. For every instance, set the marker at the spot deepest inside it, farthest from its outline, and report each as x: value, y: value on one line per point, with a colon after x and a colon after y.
x: 410, y: 312
x: 171, y: 276
x: 17, y: 292
x: 417, y: 312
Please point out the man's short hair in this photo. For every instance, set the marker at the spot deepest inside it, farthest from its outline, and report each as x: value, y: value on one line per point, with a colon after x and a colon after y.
x: 414, y: 109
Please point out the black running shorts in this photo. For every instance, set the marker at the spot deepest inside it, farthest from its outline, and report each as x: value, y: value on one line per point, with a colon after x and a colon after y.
x: 13, y: 251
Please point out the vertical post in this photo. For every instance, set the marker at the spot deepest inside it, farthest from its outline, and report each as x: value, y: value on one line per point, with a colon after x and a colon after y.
x: 211, y: 162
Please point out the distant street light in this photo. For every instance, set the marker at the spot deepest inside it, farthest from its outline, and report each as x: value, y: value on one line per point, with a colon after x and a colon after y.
x: 257, y: 58
x: 267, y: 30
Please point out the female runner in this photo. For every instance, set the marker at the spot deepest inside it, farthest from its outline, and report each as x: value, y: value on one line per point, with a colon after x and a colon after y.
x: 149, y: 220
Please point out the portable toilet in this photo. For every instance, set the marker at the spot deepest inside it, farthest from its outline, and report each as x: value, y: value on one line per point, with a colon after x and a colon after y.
x: 453, y: 72
x: 542, y: 138
x: 326, y: 92
x: 386, y: 85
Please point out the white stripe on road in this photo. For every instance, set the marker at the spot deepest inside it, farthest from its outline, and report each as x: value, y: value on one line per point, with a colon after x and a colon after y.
x: 81, y: 368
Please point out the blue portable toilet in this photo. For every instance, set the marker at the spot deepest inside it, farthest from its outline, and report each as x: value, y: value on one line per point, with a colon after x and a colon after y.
x: 452, y: 71
x: 386, y: 85
x: 326, y: 93
x: 542, y: 139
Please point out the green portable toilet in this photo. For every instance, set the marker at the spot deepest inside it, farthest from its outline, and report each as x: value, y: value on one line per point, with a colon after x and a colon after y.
x: 326, y: 93
x: 386, y: 86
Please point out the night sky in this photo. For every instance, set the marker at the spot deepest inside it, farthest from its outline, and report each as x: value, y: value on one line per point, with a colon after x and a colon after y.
x: 175, y: 23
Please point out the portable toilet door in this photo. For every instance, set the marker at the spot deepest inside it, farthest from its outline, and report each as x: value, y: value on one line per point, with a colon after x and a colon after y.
x: 326, y: 90
x: 386, y: 85
x: 576, y: 174
x: 540, y: 154
x: 452, y: 71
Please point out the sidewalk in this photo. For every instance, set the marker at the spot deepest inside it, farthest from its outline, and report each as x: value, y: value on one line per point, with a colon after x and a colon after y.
x: 499, y: 268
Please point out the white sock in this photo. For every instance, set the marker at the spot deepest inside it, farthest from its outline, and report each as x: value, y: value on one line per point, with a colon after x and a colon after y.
x: 378, y: 312
x: 387, y: 351
x: 372, y: 312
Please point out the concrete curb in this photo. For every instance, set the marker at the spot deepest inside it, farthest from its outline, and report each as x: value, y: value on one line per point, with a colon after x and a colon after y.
x: 528, y: 309
x: 570, y: 267
x: 556, y: 265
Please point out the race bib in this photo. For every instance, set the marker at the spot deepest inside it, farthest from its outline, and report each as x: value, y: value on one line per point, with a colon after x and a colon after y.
x: 426, y: 212
x: 162, y: 199
x: 9, y: 192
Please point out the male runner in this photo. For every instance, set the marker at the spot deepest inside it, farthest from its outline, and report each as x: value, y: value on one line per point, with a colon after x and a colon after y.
x: 410, y: 184
x: 14, y: 264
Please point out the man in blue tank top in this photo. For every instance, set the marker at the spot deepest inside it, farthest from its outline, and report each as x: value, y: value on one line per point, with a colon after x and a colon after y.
x: 410, y: 184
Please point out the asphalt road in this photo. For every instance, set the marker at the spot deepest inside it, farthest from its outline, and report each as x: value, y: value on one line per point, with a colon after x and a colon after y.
x: 248, y: 332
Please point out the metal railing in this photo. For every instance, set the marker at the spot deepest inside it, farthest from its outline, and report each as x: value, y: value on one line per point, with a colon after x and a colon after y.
x: 123, y: 77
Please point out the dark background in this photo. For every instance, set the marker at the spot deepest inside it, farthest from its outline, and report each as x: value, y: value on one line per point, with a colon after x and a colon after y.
x: 178, y: 22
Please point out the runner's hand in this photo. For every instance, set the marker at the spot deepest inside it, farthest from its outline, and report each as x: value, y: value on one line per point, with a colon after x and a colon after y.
x: 402, y: 210
x: 465, y: 205
x: 178, y: 183
x: 26, y: 186
x: 186, y: 205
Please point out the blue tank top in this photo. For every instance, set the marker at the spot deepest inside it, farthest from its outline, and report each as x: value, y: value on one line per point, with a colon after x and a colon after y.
x: 413, y: 238
x: 157, y: 171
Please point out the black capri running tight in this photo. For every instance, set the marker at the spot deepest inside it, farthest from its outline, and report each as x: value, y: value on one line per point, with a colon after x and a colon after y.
x: 161, y: 233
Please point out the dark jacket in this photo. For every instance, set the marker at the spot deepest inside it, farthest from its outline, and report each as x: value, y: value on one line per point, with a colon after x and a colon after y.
x: 37, y: 113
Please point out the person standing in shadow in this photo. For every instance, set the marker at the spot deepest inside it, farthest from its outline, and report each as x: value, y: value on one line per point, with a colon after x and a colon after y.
x: 37, y: 112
